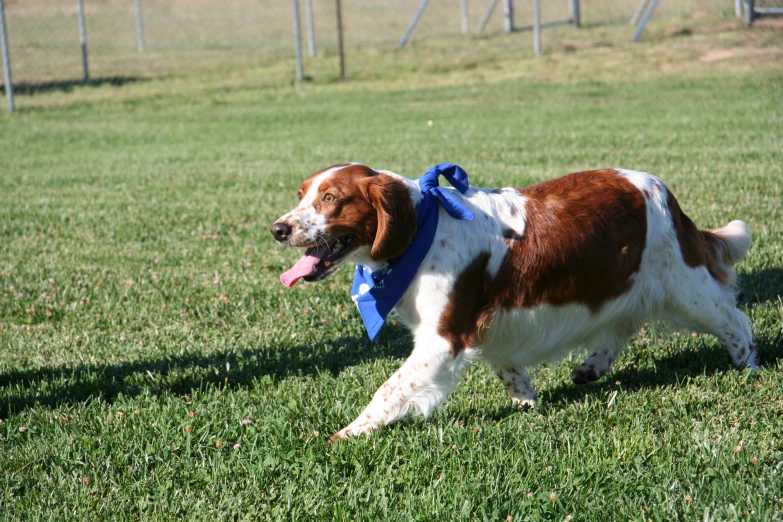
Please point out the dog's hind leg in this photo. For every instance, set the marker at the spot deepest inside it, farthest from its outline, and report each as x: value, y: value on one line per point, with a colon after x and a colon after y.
x: 700, y: 283
x: 428, y: 376
x: 606, y: 349
x: 517, y: 382
x: 700, y: 295
x: 706, y: 306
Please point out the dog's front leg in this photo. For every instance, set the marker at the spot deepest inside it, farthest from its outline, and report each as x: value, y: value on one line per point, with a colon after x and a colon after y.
x: 424, y: 381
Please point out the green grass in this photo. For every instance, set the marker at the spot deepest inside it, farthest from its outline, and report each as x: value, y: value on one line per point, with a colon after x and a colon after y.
x: 142, y: 323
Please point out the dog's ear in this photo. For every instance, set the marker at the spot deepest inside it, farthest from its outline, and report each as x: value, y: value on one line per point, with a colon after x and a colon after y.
x: 396, y: 216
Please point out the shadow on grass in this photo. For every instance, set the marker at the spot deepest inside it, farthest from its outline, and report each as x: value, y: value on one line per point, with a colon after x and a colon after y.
x: 669, y: 371
x: 182, y: 374
x: 760, y: 286
x: 25, y: 88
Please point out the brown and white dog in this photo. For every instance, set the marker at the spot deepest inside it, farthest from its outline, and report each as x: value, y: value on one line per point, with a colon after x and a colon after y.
x: 584, y: 259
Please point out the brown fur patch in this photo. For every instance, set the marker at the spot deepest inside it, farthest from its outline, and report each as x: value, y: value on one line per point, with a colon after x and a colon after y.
x: 375, y: 207
x: 396, y: 216
x: 700, y: 247
x: 583, y: 240
x: 460, y: 320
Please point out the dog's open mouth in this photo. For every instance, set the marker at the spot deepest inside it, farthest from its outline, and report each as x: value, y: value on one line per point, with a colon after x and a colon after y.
x: 318, y: 261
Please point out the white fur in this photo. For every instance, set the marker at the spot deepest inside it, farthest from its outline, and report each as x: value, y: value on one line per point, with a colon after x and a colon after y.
x: 737, y: 238
x: 311, y: 223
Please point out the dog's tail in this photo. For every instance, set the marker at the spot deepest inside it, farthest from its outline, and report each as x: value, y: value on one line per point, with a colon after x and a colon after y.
x: 718, y: 249
x: 729, y: 244
x: 725, y: 247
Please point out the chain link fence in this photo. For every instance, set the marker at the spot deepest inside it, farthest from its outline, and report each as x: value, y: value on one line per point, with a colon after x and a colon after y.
x: 184, y: 36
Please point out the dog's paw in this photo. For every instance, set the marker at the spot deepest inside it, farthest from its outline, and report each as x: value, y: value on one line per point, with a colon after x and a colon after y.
x: 529, y: 402
x: 351, y: 430
x: 337, y: 436
x: 584, y: 374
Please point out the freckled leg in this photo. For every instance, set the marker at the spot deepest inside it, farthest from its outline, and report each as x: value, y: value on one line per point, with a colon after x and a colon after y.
x: 517, y: 382
x: 707, y: 307
x: 735, y: 333
x: 607, y: 348
x: 428, y: 376
x: 731, y: 326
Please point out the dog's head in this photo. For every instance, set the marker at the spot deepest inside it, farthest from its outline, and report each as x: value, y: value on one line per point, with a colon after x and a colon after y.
x: 343, y: 211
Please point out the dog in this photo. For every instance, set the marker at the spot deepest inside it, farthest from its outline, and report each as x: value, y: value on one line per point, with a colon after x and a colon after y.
x: 585, y: 259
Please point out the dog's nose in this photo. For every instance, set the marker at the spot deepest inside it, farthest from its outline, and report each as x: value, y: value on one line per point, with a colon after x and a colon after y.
x: 281, y: 230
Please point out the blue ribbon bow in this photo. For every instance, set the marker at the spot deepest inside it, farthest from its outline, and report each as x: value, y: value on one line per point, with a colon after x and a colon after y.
x: 376, y: 293
x: 458, y: 179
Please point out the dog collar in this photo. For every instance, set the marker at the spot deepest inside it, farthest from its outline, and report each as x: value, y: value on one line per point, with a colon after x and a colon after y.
x: 377, y: 292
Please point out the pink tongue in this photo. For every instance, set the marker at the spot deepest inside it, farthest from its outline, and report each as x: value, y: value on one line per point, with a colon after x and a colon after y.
x: 304, y: 267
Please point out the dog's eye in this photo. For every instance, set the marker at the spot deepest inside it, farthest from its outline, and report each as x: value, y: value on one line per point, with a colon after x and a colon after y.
x: 328, y: 198
x: 299, y: 195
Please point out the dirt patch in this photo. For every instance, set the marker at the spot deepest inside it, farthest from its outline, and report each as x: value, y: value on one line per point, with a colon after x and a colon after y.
x: 733, y: 56
x: 773, y: 23
x: 716, y: 55
x: 577, y: 43
x: 721, y: 27
x: 677, y: 31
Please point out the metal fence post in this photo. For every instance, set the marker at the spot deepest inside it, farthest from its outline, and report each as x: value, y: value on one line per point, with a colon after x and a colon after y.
x: 508, y: 15
x: 310, y: 28
x: 638, y: 13
x: 340, y: 39
x: 465, y: 21
x: 750, y: 12
x: 537, y: 26
x: 83, y: 41
x: 9, y: 85
x: 139, y: 26
x: 575, y: 16
x: 413, y: 23
x: 297, y: 42
x: 646, y: 18
x: 487, y: 14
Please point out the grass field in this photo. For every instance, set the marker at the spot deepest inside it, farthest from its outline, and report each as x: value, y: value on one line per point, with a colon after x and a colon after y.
x: 152, y: 366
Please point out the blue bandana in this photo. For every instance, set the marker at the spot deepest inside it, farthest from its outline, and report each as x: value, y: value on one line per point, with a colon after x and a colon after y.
x: 376, y: 293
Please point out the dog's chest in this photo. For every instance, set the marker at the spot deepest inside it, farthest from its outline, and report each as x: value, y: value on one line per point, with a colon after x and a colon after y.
x: 457, y: 246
